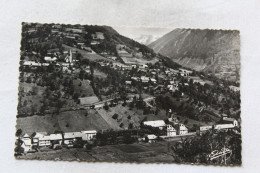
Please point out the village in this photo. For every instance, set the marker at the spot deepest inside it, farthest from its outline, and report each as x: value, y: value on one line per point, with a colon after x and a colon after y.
x: 84, y: 69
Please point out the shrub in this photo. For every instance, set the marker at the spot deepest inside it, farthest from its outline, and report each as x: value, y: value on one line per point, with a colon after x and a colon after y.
x: 115, y: 116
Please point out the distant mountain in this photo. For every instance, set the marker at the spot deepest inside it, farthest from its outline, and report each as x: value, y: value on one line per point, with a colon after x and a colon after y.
x: 146, y: 39
x: 211, y: 51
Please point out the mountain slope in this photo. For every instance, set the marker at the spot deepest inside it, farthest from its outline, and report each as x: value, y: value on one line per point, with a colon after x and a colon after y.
x: 212, y: 51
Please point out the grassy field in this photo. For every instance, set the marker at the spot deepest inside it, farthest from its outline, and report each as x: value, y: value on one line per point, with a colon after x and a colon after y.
x: 69, y: 121
x: 83, y: 88
x: 201, y: 81
x: 86, y: 55
x: 31, y: 96
x: 136, y: 116
x: 138, y: 152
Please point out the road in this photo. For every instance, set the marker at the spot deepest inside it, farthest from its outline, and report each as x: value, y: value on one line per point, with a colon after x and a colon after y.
x: 146, y: 100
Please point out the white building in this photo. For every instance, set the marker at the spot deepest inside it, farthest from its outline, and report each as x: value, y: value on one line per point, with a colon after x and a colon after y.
x: 230, y: 121
x: 128, y: 82
x: 37, y: 136
x: 88, y: 135
x: 153, y: 80
x: 205, y: 128
x: 50, y: 59
x: 145, y: 79
x: 181, y: 129
x: 27, y: 143
x: 223, y: 126
x: 158, y: 123
x: 152, y: 138
x: 56, y: 137
x: 44, y: 141
x: 70, y: 137
x: 68, y: 58
x: 171, y: 131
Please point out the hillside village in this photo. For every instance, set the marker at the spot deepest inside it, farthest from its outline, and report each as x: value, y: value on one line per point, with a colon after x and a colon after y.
x: 83, y: 86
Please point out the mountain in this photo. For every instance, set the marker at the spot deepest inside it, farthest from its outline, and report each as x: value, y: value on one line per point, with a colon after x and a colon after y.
x: 210, y: 51
x: 146, y: 39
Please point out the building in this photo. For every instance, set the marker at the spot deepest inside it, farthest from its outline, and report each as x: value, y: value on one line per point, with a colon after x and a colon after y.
x: 205, y: 128
x: 70, y: 137
x: 171, y: 131
x: 230, y: 121
x: 185, y: 72
x: 153, y: 80
x: 44, y: 141
x: 56, y: 138
x: 89, y: 135
x: 69, y: 58
x: 31, y: 63
x: 37, y: 136
x: 128, y: 82
x: 234, y: 88
x: 157, y: 123
x: 145, y: 79
x: 27, y: 143
x: 151, y: 138
x: 98, y: 36
x: 112, y: 57
x: 171, y: 88
x: 50, y: 59
x: 94, y: 42
x: 181, y: 129
x: 223, y: 126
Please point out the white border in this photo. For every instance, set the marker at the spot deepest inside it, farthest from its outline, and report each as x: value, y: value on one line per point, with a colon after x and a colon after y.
x: 217, y: 14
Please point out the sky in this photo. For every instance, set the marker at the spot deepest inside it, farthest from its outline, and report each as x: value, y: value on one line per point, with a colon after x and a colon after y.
x: 135, y: 32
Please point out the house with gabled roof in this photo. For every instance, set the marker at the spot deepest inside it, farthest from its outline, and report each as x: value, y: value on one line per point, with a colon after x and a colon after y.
x: 27, y: 143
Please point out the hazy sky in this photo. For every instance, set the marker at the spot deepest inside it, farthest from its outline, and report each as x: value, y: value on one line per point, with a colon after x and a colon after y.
x: 134, y: 32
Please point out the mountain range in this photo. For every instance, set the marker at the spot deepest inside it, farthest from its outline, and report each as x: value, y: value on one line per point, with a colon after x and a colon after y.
x: 210, y: 51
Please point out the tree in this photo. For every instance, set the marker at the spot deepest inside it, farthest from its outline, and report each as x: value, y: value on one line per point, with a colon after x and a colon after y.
x: 130, y: 126
x: 115, y: 116
x: 106, y: 107
x: 18, y: 132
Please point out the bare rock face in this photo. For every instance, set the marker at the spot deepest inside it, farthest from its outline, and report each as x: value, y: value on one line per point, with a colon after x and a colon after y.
x: 211, y: 51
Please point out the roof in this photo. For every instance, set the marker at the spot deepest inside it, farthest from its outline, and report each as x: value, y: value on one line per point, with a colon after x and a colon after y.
x: 40, y: 134
x: 228, y: 119
x: 45, y: 138
x: 223, y: 126
x: 182, y: 127
x: 205, y: 127
x: 47, y: 58
x: 27, y: 142
x: 55, y: 137
x: 72, y: 135
x: 157, y: 123
x: 151, y: 137
x: 26, y: 135
x: 170, y: 127
x: 89, y: 131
